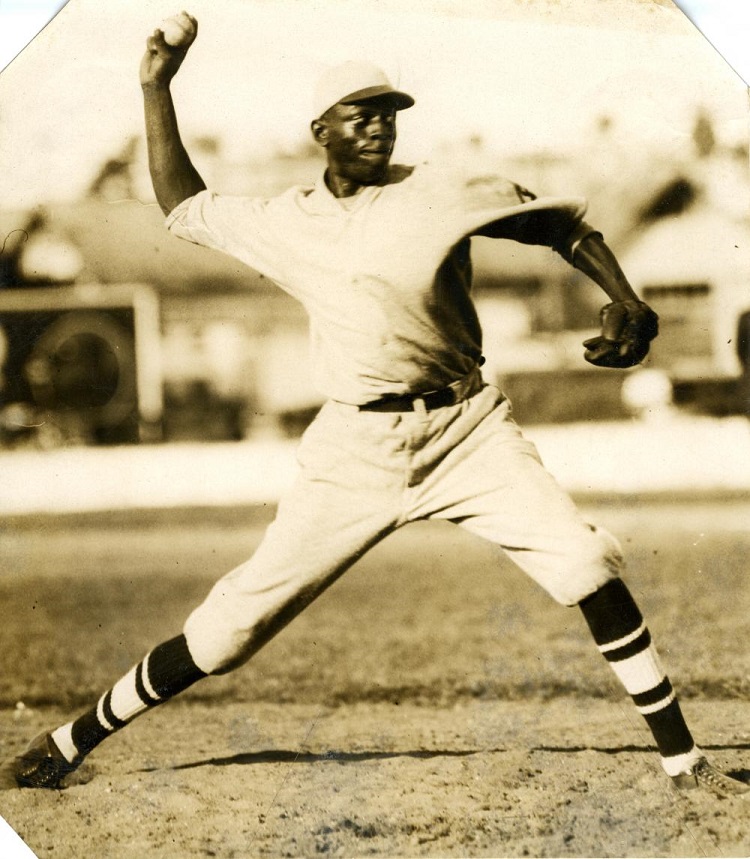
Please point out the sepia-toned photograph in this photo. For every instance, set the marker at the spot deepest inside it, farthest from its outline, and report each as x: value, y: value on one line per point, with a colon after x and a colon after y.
x: 374, y: 432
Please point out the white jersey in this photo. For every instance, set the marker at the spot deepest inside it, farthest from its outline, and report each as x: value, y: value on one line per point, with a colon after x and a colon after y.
x: 385, y: 276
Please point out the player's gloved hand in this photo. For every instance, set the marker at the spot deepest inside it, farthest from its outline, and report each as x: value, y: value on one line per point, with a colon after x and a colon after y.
x: 628, y: 327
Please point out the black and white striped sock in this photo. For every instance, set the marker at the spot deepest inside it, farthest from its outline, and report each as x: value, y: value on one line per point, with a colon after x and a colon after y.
x: 625, y: 642
x: 165, y: 671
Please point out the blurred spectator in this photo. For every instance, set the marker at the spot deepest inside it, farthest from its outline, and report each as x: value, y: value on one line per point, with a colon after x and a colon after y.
x: 39, y: 254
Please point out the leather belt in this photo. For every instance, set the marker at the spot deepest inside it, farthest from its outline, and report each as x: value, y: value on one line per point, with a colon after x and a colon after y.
x: 405, y: 402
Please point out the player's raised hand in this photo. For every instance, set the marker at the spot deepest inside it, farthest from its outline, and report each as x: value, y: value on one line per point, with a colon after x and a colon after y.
x: 166, y: 48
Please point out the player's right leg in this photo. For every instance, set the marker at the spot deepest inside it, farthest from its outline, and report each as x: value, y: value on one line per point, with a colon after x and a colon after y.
x: 165, y: 671
x: 345, y: 500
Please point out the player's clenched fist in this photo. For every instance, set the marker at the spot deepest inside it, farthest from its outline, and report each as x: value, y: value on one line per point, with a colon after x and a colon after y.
x: 166, y: 49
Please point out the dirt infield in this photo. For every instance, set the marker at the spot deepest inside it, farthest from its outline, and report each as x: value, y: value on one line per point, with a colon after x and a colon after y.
x: 561, y: 778
x: 432, y: 703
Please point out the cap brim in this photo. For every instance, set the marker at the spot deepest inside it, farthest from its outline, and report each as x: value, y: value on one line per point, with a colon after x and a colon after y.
x: 381, y: 94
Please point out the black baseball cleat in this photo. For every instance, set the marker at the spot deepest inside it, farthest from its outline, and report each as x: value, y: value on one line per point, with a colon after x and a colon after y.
x: 42, y: 765
x: 703, y: 774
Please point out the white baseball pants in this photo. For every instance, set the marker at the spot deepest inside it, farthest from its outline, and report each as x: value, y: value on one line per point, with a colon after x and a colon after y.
x: 364, y: 474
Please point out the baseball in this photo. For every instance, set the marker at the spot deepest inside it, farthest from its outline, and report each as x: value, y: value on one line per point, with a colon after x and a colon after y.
x: 178, y: 30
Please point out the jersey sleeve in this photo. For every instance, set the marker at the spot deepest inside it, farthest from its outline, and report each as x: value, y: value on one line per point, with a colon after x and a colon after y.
x: 506, y: 210
x: 238, y: 226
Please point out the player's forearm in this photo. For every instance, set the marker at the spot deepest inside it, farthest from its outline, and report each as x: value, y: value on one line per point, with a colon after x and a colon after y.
x: 593, y: 257
x: 172, y: 172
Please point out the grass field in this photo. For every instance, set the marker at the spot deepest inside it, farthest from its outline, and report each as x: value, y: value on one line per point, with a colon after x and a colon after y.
x: 445, y: 687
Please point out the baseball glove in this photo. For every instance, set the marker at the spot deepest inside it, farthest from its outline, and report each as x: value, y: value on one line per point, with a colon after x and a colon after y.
x: 628, y: 327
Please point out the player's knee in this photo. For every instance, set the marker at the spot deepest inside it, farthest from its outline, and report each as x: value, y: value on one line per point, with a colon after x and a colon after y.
x: 220, y: 652
x: 216, y: 644
x: 598, y: 561
x: 227, y: 630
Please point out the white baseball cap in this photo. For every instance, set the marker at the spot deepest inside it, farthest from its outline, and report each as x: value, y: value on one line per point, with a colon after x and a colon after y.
x: 354, y: 82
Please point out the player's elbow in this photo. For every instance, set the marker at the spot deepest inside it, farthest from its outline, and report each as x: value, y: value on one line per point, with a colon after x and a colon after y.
x: 169, y: 197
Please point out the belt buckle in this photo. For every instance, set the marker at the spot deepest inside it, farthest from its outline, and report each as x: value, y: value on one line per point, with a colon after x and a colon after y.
x: 438, y: 399
x: 413, y: 402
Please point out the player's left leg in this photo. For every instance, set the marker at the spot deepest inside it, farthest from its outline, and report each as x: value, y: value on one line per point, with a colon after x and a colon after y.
x: 623, y: 638
x: 625, y: 641
x: 493, y: 484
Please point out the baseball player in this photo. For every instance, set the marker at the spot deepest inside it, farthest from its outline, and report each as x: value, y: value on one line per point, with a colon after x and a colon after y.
x: 379, y: 255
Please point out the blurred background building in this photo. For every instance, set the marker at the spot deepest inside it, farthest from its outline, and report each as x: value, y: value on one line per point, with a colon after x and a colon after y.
x: 112, y: 331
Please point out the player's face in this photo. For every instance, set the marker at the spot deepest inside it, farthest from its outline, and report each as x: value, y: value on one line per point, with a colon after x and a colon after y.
x: 359, y: 140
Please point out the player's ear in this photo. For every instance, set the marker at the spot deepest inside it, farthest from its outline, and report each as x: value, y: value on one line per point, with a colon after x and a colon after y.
x: 319, y: 129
